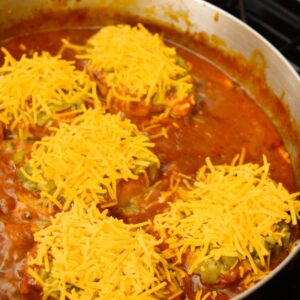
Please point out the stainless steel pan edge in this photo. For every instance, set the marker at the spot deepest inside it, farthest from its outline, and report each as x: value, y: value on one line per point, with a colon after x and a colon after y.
x: 193, y: 15
x: 196, y: 16
x: 295, y: 251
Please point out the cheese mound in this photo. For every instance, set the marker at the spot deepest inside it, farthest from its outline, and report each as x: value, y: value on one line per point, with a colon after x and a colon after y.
x: 135, y: 65
x: 231, y: 211
x: 38, y: 89
x: 85, y: 160
x: 84, y: 254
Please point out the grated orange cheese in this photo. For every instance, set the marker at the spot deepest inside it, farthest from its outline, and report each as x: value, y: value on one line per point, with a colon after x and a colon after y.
x: 135, y: 65
x: 36, y: 90
x: 87, y: 158
x: 227, y: 212
x: 85, y: 254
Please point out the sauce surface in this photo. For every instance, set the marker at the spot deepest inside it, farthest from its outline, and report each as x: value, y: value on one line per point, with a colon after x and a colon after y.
x: 224, y: 121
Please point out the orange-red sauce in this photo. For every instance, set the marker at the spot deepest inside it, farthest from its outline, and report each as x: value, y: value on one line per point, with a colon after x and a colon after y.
x: 224, y: 121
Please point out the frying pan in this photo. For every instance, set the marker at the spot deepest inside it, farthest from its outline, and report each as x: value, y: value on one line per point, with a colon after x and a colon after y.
x: 222, y: 31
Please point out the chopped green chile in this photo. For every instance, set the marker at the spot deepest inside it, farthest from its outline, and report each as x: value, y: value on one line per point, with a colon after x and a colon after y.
x: 19, y: 156
x: 286, y: 239
x: 151, y: 170
x: 270, y: 241
x: 64, y: 106
x: 130, y: 208
x: 229, y: 261
x: 29, y: 185
x: 48, y: 187
x: 209, y: 271
x: 42, y: 119
x: 26, y: 183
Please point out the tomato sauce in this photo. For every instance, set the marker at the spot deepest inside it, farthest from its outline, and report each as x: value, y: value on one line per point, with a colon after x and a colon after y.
x: 225, y: 120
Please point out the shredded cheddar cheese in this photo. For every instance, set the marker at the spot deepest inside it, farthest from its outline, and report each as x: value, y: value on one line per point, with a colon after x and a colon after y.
x: 230, y: 211
x: 85, y: 254
x: 135, y: 65
x: 36, y: 90
x: 85, y: 160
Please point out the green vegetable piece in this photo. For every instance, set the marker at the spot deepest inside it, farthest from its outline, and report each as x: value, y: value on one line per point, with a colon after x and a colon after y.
x: 286, y: 239
x: 41, y: 119
x: 29, y: 185
x: 228, y: 262
x: 156, y: 99
x: 62, y: 106
x: 209, y: 271
x: 276, y: 251
x: 18, y: 156
x: 258, y: 263
x: 283, y: 226
x: 138, y: 169
x: 285, y: 229
x: 181, y: 62
x: 46, y: 187
x: 20, y: 175
x: 130, y: 208
x: 270, y: 242
x: 27, y: 168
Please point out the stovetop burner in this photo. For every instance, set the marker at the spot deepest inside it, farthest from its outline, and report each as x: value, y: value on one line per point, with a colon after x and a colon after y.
x: 279, y: 22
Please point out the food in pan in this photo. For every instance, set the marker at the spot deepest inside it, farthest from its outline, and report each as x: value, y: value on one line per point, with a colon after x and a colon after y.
x: 225, y: 228
x: 85, y: 254
x: 138, y: 71
x: 40, y: 90
x: 121, y: 179
x: 85, y: 160
x: 229, y: 225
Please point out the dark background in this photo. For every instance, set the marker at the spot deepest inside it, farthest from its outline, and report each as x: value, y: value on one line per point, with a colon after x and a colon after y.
x: 277, y: 20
